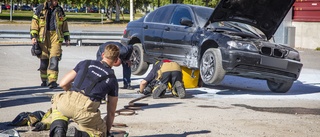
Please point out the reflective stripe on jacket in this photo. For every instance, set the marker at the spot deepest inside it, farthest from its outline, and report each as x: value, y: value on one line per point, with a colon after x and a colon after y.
x: 38, y: 24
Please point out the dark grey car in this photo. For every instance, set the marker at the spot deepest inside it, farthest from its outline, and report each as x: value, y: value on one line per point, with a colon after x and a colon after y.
x: 232, y: 39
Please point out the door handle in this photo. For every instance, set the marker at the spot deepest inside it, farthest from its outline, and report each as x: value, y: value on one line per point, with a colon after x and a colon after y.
x: 145, y: 27
x: 166, y: 28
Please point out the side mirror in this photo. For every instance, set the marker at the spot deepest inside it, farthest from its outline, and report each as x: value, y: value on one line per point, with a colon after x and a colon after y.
x: 186, y: 22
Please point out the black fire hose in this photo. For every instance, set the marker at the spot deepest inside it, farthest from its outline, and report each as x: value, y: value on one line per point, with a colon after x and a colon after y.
x: 131, y: 107
x: 128, y: 110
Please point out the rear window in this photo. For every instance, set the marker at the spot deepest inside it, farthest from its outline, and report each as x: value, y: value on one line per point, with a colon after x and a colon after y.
x: 150, y: 16
x: 161, y: 15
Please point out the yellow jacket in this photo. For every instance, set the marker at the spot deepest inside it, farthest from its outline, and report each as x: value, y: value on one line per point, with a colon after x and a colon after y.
x: 38, y: 24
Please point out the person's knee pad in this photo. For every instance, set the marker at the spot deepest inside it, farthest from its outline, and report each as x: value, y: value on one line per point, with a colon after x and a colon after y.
x: 44, y: 64
x: 58, y: 128
x: 54, y: 62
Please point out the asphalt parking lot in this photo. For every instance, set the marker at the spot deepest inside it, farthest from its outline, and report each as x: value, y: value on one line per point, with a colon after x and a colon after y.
x: 20, y: 91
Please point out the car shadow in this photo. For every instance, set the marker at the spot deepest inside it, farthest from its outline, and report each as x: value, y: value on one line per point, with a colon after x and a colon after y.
x: 26, y: 95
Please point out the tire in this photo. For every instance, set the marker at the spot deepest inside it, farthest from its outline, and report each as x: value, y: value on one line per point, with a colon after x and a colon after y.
x: 279, y: 87
x: 211, y: 70
x: 139, y: 67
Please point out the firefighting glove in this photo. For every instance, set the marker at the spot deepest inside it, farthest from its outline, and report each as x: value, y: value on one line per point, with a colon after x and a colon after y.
x: 40, y: 127
x: 36, y: 50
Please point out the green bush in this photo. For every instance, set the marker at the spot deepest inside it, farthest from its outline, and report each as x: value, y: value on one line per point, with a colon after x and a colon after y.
x: 71, y: 16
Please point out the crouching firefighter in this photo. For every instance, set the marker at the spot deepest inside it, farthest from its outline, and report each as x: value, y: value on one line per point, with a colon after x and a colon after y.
x: 163, y: 73
x: 48, y: 29
x: 93, y: 81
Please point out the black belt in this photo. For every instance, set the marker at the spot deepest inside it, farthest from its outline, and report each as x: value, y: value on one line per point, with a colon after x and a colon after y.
x: 91, y: 98
x: 94, y: 99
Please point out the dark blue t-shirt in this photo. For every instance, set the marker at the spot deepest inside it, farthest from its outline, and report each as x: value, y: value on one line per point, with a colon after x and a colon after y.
x: 125, y: 51
x: 96, y: 70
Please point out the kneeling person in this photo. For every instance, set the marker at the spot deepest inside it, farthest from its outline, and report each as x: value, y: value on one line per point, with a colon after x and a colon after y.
x: 93, y: 81
x: 162, y: 73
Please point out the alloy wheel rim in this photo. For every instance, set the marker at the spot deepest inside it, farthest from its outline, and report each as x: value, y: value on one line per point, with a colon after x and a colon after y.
x: 207, y: 68
x: 135, y: 60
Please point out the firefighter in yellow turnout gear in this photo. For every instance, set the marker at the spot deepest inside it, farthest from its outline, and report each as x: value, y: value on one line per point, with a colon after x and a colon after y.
x: 48, y: 29
x: 86, y: 85
x: 163, y: 73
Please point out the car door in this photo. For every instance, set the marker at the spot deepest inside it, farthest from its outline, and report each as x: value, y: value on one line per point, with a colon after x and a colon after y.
x: 177, y: 38
x: 153, y: 28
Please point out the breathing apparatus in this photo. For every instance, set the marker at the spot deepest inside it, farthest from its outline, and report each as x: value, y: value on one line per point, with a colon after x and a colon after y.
x: 49, y: 3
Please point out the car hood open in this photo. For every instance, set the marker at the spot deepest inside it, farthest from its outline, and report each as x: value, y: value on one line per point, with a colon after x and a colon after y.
x: 265, y: 15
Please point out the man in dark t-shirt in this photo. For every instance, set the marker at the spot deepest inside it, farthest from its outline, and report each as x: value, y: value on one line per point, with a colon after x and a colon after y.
x: 93, y: 81
x: 125, y: 54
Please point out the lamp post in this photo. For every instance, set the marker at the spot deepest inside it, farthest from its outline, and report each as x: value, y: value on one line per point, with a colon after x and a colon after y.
x: 102, y: 13
x: 131, y: 10
x: 10, y: 10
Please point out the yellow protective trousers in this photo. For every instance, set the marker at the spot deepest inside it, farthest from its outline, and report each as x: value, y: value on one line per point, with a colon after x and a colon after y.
x: 168, y: 74
x: 80, y: 109
x: 49, y: 59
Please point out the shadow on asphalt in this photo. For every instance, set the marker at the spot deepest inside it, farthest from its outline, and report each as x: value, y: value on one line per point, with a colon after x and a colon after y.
x: 160, y: 105
x: 283, y: 110
x: 185, y: 134
x: 132, y: 79
x: 25, y: 95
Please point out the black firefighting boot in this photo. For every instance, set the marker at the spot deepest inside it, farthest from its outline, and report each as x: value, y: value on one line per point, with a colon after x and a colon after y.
x: 44, y: 84
x: 179, y: 88
x: 74, y: 132
x: 58, y: 128
x: 53, y: 84
x: 159, y: 90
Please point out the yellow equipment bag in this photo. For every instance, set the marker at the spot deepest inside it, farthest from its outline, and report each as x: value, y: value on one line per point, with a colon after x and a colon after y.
x: 190, y: 82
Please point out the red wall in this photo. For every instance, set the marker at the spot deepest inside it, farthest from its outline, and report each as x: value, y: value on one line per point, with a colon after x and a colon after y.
x: 306, y: 11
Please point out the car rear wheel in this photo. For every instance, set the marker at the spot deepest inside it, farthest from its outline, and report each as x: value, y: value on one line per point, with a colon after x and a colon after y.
x: 279, y: 86
x: 139, y: 67
x: 211, y: 69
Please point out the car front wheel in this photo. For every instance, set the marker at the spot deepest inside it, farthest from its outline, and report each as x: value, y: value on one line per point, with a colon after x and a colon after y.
x: 211, y: 69
x: 139, y: 67
x: 279, y: 86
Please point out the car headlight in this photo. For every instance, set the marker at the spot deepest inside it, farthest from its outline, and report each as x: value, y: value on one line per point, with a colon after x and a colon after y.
x: 242, y: 45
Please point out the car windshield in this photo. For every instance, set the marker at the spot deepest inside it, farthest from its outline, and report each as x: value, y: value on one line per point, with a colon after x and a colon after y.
x: 236, y: 27
x: 244, y: 28
x: 202, y: 14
